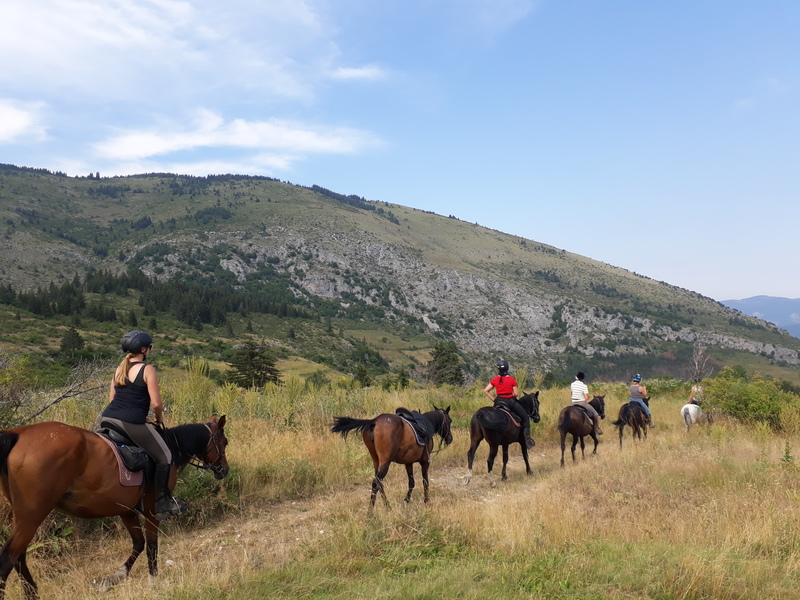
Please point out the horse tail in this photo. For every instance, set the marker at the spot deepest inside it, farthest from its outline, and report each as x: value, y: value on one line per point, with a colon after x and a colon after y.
x: 8, y: 440
x: 345, y: 425
x: 564, y: 425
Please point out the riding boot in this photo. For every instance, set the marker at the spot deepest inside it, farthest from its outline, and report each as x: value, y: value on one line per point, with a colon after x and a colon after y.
x: 166, y: 505
x: 596, y: 423
x: 526, y: 431
x: 650, y: 423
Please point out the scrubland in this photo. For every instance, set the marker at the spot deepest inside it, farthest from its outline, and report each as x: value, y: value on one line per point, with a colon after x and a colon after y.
x: 714, y: 513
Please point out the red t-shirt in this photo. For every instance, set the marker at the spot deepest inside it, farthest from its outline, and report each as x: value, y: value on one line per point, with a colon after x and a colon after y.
x: 504, y: 386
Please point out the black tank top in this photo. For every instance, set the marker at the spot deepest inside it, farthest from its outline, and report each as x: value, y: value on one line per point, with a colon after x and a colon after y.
x: 131, y: 402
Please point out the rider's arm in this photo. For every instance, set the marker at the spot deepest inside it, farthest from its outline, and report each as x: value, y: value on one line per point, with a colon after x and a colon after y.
x: 151, y: 379
x: 111, y: 391
x: 488, y: 389
x: 515, y: 391
x: 643, y: 390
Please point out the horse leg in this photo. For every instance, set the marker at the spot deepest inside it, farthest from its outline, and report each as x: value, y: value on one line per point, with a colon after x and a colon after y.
x: 505, y: 461
x: 425, y: 463
x: 563, y: 445
x: 583, y: 448
x: 490, y: 463
x: 377, y: 485
x: 574, y: 445
x: 30, y: 587
x: 13, y: 553
x: 594, y: 437
x: 151, y: 539
x: 131, y: 522
x: 621, y: 430
x: 410, y: 471
x: 525, y: 458
x: 475, y: 440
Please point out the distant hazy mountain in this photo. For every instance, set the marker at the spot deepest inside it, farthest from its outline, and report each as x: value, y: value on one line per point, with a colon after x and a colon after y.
x: 783, y: 312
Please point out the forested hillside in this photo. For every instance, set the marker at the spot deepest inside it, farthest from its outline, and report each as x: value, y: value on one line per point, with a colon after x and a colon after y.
x: 343, y: 284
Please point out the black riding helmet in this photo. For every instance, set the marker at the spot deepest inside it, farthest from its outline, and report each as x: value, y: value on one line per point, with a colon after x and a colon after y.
x: 502, y: 366
x: 133, y: 341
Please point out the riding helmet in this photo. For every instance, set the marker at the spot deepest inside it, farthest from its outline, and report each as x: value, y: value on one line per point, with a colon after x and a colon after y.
x: 133, y: 341
x: 637, y: 378
x: 502, y: 366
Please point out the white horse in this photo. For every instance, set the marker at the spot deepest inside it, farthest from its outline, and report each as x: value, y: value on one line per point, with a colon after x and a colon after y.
x: 692, y: 414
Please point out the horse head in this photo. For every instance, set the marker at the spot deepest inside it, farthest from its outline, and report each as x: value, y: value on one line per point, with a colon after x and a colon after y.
x: 599, y: 404
x: 444, y: 428
x: 213, y: 457
x: 530, y: 402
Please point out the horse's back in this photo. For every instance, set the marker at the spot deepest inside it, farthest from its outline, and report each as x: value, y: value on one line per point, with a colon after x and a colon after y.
x: 73, y: 466
x: 393, y: 439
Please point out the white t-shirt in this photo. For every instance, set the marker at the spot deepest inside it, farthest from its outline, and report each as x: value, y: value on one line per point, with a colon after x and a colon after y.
x: 579, y: 391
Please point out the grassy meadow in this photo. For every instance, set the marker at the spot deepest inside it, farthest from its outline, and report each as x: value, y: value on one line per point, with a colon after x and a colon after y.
x: 712, y: 514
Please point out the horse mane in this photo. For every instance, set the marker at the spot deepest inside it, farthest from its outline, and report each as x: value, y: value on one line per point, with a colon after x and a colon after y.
x: 186, y: 442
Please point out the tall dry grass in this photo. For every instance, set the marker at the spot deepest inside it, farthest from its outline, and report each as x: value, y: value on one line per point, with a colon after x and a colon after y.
x: 711, y: 514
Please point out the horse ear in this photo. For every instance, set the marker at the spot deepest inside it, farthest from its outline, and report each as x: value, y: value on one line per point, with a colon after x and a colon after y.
x: 213, y: 419
x: 221, y: 422
x: 447, y: 410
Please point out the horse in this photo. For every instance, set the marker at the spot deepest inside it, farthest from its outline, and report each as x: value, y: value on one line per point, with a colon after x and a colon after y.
x: 573, y: 419
x: 390, y: 438
x: 53, y: 465
x: 632, y: 415
x: 692, y: 414
x: 498, y: 428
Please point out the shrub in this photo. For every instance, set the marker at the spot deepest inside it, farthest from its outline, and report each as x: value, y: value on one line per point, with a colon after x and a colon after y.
x: 751, y: 398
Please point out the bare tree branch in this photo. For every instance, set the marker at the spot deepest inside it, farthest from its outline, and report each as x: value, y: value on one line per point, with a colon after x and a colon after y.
x: 86, y: 377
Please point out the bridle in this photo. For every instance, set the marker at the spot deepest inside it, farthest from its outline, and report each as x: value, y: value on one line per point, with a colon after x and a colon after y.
x: 216, y: 466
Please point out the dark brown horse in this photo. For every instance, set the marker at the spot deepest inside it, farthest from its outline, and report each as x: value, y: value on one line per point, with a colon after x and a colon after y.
x: 390, y: 438
x: 52, y: 465
x: 632, y: 415
x: 497, y: 427
x: 574, y: 420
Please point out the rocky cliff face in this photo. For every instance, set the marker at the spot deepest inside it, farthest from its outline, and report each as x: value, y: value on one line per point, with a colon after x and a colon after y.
x: 482, y: 314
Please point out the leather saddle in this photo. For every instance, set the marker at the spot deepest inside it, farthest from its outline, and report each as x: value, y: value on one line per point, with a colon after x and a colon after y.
x: 499, y: 404
x: 133, y: 457
x: 423, y: 429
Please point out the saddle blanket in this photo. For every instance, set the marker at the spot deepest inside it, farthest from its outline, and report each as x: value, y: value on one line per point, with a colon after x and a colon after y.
x: 126, y: 478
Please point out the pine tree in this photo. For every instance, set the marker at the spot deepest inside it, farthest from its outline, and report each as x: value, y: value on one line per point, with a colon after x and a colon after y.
x: 253, y: 366
x: 445, y: 365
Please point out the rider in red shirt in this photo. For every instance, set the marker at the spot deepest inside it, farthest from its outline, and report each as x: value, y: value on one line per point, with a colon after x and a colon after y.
x: 505, y: 387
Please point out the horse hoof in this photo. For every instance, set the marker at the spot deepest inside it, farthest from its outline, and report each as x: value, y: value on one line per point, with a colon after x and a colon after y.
x: 113, y: 579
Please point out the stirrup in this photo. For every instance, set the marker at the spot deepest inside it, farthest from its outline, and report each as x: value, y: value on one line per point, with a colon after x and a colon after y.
x: 175, y: 506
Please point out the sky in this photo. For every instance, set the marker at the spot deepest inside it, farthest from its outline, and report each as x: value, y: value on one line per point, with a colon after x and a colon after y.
x: 661, y: 137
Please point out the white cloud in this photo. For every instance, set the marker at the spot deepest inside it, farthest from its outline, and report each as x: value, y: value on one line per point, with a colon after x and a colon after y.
x: 21, y: 121
x: 131, y: 49
x: 370, y: 72
x: 794, y: 318
x: 209, y: 130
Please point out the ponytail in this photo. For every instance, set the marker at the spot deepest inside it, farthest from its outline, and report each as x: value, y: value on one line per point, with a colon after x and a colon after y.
x: 121, y: 374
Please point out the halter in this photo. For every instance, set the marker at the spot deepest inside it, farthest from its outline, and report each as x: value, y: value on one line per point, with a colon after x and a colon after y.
x: 216, y: 465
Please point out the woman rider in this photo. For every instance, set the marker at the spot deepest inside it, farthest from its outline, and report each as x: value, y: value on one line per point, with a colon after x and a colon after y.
x: 505, y: 387
x: 133, y: 392
x: 637, y: 394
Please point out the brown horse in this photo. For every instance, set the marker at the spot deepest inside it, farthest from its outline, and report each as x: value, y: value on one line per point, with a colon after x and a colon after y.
x: 498, y: 429
x: 574, y: 420
x: 390, y: 438
x: 52, y: 465
x: 632, y: 415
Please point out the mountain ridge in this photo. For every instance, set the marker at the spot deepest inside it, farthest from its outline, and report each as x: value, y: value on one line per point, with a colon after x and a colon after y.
x: 440, y: 277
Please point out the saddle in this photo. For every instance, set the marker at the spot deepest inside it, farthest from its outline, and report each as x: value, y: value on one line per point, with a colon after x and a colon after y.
x: 133, y: 457
x: 423, y: 429
x: 500, y: 405
x: 585, y: 411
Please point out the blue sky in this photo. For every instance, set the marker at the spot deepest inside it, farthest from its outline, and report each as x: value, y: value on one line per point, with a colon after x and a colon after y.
x: 662, y: 137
